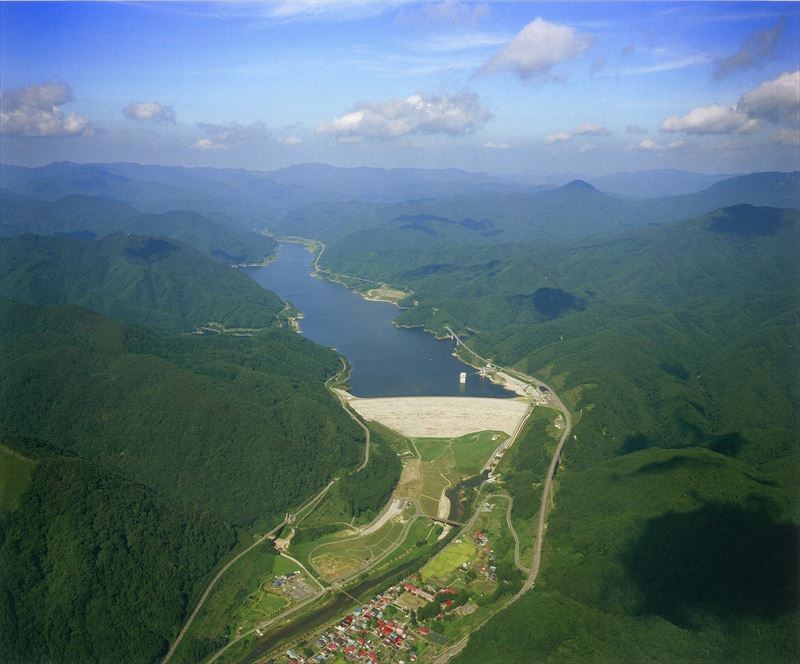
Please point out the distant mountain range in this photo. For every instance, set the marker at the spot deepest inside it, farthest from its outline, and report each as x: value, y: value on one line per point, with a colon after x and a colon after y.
x: 654, y: 183
x: 569, y: 212
x: 81, y: 215
x: 253, y: 198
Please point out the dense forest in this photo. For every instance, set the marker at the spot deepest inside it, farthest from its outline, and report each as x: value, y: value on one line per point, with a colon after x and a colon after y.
x: 140, y: 279
x: 218, y: 422
x: 94, y: 567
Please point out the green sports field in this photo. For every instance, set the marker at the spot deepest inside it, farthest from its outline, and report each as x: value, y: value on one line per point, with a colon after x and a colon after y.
x: 443, y: 566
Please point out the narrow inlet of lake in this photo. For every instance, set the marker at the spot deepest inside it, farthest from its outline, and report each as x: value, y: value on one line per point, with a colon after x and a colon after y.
x: 386, y: 360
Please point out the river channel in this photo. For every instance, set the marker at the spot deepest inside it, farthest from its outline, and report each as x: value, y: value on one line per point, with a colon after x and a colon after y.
x: 386, y: 360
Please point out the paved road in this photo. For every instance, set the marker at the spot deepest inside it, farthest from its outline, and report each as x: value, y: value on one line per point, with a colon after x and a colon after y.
x: 547, y: 489
x: 544, y: 510
x: 211, y: 585
x: 514, y: 534
x: 353, y: 416
x: 219, y: 574
x: 366, y: 436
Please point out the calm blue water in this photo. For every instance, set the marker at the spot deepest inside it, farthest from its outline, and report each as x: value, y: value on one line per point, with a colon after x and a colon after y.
x: 386, y: 360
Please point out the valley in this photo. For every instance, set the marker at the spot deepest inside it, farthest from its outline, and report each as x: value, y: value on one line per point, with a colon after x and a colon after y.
x: 426, y: 438
x: 450, y: 449
x: 408, y: 332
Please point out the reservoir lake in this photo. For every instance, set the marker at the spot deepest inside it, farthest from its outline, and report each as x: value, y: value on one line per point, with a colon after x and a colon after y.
x: 386, y: 360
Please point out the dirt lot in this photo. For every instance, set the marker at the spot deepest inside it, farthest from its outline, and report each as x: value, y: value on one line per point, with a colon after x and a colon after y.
x: 442, y: 417
x: 410, y: 480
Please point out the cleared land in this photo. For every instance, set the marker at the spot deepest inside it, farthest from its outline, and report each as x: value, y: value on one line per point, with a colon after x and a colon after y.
x: 342, y: 558
x: 442, y: 417
x: 444, y: 565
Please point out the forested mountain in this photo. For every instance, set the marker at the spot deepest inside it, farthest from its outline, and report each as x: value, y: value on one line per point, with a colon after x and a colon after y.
x: 138, y: 459
x: 85, y: 216
x: 140, y: 456
x: 675, y: 345
x: 150, y: 280
x: 205, y: 420
x: 236, y: 197
x: 325, y: 202
x: 379, y: 184
x: 95, y: 567
x: 149, y: 450
x: 572, y: 211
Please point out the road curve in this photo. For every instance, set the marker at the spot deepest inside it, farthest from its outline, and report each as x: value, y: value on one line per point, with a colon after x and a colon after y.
x: 346, y: 407
x: 519, y: 565
x: 210, y: 587
x: 219, y: 574
x: 544, y: 510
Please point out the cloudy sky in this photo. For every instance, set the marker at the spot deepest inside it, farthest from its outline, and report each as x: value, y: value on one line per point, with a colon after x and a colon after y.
x: 506, y: 87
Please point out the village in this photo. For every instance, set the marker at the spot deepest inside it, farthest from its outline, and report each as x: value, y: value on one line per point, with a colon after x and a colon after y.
x: 398, y: 625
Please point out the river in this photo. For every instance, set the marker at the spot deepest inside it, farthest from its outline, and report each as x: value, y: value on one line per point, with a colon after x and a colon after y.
x: 386, y: 360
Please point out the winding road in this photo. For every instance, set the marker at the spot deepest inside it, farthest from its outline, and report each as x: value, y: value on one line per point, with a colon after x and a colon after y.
x: 544, y: 510
x: 517, y: 562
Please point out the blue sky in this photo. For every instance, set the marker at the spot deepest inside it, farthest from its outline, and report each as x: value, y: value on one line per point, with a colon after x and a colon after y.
x: 518, y: 87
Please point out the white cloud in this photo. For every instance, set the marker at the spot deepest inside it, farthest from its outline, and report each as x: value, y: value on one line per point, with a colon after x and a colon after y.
x: 537, y: 48
x: 417, y: 114
x: 713, y: 119
x: 149, y: 110
x: 290, y: 140
x: 756, y: 49
x: 587, y: 147
x: 777, y: 100
x: 223, y: 136
x: 650, y: 145
x: 207, y: 144
x: 497, y: 146
x: 636, y: 129
x: 586, y: 129
x: 557, y: 137
x: 658, y: 67
x: 591, y: 129
x: 449, y: 12
x: 321, y: 9
x: 36, y: 111
x: 463, y: 40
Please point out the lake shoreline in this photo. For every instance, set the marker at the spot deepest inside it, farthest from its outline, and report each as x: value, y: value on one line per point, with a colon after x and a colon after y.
x: 388, y: 358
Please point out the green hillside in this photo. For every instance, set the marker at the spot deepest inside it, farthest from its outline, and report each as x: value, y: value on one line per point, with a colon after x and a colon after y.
x: 676, y: 346
x: 659, y: 556
x: 85, y: 216
x: 215, y: 422
x: 149, y: 280
x: 95, y: 568
x: 139, y: 460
